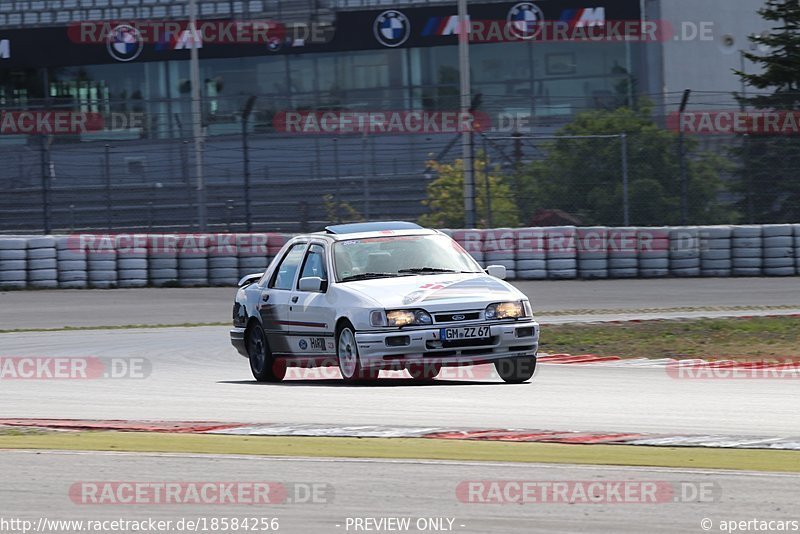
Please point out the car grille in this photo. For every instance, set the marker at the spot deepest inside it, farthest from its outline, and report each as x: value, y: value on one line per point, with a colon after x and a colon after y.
x: 452, y: 317
x: 458, y: 343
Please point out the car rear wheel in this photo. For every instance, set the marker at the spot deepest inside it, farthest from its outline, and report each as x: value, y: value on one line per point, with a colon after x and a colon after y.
x: 347, y: 354
x: 516, y: 370
x: 424, y: 371
x: 263, y: 365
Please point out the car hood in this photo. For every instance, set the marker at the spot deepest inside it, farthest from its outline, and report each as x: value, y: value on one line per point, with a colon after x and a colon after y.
x: 436, y: 292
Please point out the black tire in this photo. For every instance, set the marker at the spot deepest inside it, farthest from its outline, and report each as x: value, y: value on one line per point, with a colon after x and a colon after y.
x: 264, y: 367
x: 424, y: 371
x: 516, y: 370
x: 348, y: 358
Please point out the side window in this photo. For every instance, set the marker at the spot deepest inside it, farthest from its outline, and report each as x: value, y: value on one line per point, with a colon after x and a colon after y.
x: 315, y: 263
x: 284, y: 274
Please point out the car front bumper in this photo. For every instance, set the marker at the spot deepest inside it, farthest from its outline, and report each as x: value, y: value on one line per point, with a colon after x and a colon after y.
x: 423, y: 345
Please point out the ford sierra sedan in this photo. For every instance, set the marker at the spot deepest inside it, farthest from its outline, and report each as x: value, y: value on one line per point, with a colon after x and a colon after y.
x: 389, y: 295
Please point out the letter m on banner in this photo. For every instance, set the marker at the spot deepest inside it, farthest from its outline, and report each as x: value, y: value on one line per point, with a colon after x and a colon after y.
x: 591, y: 16
x: 5, y: 49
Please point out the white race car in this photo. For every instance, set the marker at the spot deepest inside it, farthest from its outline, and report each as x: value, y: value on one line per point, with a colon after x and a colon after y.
x: 389, y: 295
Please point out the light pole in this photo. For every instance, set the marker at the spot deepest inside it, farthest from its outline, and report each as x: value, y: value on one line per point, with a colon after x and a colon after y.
x: 197, y: 116
x: 682, y: 153
x: 466, y: 135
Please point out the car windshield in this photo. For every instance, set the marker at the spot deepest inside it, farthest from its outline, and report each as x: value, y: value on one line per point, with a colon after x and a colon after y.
x: 381, y: 257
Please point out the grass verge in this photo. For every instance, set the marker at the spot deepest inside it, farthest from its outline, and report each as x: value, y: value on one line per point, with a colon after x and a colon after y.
x: 111, y: 327
x: 418, y: 448
x: 736, y: 338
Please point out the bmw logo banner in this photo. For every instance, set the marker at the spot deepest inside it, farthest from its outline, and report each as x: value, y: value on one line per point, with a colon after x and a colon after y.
x: 376, y: 29
x: 392, y: 28
x: 124, y: 43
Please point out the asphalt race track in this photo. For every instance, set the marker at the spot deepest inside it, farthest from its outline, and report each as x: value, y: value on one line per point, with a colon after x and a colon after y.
x: 193, y: 374
x: 413, y: 489
x: 170, y: 306
x: 196, y: 375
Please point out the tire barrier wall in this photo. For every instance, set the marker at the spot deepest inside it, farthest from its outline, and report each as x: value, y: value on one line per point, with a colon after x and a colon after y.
x: 556, y: 253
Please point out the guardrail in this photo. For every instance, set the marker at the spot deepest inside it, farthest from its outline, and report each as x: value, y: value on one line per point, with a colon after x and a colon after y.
x: 564, y: 252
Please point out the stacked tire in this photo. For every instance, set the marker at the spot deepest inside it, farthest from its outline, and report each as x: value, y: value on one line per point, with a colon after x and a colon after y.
x: 778, y: 249
x: 42, y: 262
x: 498, y: 249
x: 653, y: 246
x: 162, y: 259
x: 684, y: 252
x: 746, y: 244
x: 623, y: 257
x: 131, y: 260
x: 72, y: 264
x: 592, y: 244
x: 531, y: 254
x: 193, y: 260
x: 715, y: 251
x: 223, y: 261
x: 101, y: 256
x: 562, y: 257
x: 472, y: 242
x: 797, y: 247
x: 13, y: 263
x: 253, y: 253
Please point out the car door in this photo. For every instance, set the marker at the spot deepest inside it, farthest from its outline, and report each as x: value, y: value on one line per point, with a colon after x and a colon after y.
x: 311, y: 313
x: 276, y: 299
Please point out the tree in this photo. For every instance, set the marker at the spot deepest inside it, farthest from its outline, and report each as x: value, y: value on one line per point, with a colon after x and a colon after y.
x: 769, y: 177
x: 583, y: 176
x: 446, y: 197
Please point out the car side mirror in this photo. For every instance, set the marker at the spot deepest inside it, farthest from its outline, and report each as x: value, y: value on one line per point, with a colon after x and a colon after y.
x: 311, y: 283
x: 498, y: 271
x: 249, y: 279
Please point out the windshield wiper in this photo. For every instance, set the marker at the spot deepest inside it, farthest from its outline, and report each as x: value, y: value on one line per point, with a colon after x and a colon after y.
x: 429, y: 270
x: 367, y: 276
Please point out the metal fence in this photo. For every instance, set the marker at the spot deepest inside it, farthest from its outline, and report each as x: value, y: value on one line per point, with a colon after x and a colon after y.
x: 298, y: 182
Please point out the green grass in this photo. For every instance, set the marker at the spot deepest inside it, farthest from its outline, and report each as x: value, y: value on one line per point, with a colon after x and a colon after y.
x: 737, y: 338
x: 111, y: 327
x: 413, y: 448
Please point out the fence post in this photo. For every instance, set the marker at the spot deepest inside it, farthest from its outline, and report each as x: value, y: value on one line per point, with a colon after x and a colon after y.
x: 107, y: 176
x: 625, y: 200
x: 45, y: 161
x: 364, y: 164
x: 487, y: 185
x: 338, y: 180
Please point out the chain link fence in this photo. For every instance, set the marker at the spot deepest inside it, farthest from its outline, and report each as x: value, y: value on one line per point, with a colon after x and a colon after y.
x: 259, y: 178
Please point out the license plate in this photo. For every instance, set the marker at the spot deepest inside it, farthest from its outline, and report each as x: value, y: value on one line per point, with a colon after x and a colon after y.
x: 465, y: 332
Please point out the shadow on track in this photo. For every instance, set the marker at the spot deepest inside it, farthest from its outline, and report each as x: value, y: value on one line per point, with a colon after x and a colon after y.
x: 379, y: 383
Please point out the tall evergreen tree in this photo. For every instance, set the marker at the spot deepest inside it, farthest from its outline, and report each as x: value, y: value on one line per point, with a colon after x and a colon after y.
x: 770, y: 175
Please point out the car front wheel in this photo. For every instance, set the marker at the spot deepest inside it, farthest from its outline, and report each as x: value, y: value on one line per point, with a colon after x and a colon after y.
x: 262, y: 364
x: 347, y: 353
x: 516, y: 370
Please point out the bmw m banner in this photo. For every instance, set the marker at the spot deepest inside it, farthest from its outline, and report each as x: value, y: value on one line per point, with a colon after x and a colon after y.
x: 127, y: 41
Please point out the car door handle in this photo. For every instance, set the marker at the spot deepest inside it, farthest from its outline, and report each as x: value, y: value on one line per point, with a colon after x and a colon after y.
x: 294, y: 299
x: 264, y: 297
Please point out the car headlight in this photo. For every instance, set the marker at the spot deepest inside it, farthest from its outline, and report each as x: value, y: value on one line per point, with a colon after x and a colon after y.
x: 508, y: 310
x: 408, y: 317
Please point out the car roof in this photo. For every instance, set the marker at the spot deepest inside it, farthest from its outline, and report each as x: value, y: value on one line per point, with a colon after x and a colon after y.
x: 376, y: 226
x: 345, y: 232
